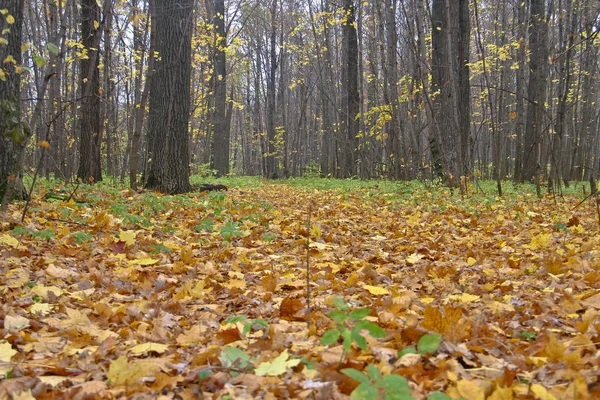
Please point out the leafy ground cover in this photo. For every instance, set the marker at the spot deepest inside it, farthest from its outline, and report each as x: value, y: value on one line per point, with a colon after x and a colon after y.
x: 415, y: 293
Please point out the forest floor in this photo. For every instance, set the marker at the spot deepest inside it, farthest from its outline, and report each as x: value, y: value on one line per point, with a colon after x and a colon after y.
x: 415, y: 292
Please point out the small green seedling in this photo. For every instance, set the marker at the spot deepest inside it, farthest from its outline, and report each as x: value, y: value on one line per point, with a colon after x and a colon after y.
x: 230, y: 231
x: 528, y: 336
x: 349, y: 326
x: 427, y: 344
x: 235, y: 359
x: 250, y: 324
x: 81, y: 237
x: 373, y: 385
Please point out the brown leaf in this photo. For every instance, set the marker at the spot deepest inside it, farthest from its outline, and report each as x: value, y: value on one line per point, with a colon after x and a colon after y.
x: 269, y: 282
x: 291, y: 310
x: 229, y: 335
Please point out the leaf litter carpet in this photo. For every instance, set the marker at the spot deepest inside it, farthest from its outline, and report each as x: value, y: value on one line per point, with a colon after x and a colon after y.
x: 204, y: 294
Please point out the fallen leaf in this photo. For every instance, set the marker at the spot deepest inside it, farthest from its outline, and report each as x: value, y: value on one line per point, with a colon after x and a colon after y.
x: 376, y: 290
x: 278, y: 366
x: 6, y: 351
x: 143, y: 348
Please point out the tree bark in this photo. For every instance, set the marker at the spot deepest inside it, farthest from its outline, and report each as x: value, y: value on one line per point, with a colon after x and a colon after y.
x: 141, y: 94
x: 270, y: 163
x: 10, y: 107
x: 169, y: 107
x: 536, y: 92
x: 520, y: 89
x: 350, y: 94
x: 90, y: 123
x: 220, y: 123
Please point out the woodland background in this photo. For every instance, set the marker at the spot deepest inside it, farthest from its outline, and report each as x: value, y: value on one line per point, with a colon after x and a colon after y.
x: 409, y: 89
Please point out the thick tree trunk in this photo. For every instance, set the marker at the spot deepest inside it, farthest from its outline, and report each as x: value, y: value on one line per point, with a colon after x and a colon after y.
x: 450, y: 83
x: 391, y: 92
x: 538, y: 73
x: 520, y: 89
x: 461, y: 80
x: 220, y: 123
x: 443, y: 110
x: 170, y: 98
x: 585, y: 152
x: 566, y: 37
x: 10, y: 108
x: 350, y: 95
x: 270, y: 164
x: 90, y: 123
x: 141, y: 93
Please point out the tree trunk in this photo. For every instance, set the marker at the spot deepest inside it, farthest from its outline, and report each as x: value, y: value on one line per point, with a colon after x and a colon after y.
x: 12, y: 137
x: 350, y: 95
x: 566, y: 48
x: 538, y: 72
x: 108, y: 105
x: 220, y: 124
x: 270, y: 164
x: 141, y: 94
x: 391, y: 92
x: 90, y: 123
x: 443, y: 110
x: 170, y: 98
x: 461, y: 80
x: 520, y: 88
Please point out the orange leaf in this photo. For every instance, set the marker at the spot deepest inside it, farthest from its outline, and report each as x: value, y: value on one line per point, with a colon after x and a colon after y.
x: 229, y: 335
x: 290, y: 309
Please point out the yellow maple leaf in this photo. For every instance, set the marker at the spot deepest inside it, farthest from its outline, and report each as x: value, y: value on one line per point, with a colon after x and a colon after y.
x: 465, y: 298
x: 235, y: 283
x: 541, y: 392
x: 472, y: 390
x: 413, y: 258
x: 375, y: 289
x: 278, y: 366
x: 6, y: 351
x: 41, y: 308
x: 43, y: 291
x: 128, y: 237
x: 8, y: 240
x: 540, y: 241
x: 434, y: 320
x: 315, y: 231
x: 554, y: 350
x: 186, y: 254
x: 122, y: 372
x: 143, y: 261
x: 502, y: 394
x: 143, y: 348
